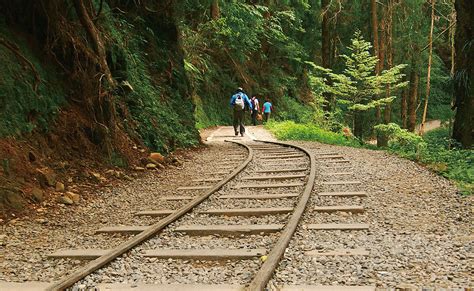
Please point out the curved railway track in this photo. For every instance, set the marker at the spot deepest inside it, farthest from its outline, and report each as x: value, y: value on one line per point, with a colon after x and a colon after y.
x: 277, y: 168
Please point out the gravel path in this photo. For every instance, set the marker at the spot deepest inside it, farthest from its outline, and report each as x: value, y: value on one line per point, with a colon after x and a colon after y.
x: 421, y: 230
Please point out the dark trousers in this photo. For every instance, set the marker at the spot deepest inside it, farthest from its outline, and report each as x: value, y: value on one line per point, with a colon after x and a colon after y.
x: 266, y: 116
x: 239, y: 122
x: 254, y: 117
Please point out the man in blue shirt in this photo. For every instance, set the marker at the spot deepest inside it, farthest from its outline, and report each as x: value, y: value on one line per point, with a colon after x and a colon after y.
x: 267, y: 109
x: 239, y: 102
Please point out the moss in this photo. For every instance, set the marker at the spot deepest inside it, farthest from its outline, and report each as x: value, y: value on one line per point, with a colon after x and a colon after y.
x: 23, y: 109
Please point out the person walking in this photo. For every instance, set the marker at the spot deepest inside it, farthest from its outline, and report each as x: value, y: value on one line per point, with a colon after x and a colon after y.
x: 267, y: 109
x: 240, y: 102
x: 255, y: 108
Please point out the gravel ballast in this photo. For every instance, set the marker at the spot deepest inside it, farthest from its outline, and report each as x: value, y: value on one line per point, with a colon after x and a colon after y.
x: 420, y: 231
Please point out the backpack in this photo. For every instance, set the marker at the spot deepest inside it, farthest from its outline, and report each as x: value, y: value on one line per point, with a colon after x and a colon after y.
x: 254, y: 104
x: 239, y: 102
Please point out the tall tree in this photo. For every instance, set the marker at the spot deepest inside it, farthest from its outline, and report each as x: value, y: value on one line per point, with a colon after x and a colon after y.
x: 215, y: 10
x: 463, y: 130
x: 428, y: 77
x: 326, y: 46
x: 413, y: 96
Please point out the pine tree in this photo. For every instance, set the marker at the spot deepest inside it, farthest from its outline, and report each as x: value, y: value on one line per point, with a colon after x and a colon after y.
x: 359, y: 83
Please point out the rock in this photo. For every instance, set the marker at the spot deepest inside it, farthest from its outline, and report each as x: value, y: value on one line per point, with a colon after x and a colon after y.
x: 38, y: 194
x: 12, y: 197
x: 46, y: 177
x: 157, y: 157
x: 139, y: 169
x: 151, y: 166
x: 74, y: 197
x: 98, y: 178
x: 60, y: 187
x: 65, y: 200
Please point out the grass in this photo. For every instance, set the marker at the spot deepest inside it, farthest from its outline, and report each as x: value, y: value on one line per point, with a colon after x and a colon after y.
x: 436, y: 150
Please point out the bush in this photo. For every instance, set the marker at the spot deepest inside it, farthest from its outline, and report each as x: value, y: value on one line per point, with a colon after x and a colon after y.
x: 289, y: 130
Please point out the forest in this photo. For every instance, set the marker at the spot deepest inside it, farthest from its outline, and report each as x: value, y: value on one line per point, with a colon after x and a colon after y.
x: 90, y: 81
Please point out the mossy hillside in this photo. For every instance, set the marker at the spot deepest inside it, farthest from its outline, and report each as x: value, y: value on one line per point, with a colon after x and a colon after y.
x: 144, y: 53
x: 21, y: 108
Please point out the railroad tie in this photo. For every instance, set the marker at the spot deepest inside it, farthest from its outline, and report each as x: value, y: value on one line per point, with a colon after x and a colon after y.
x: 129, y: 229
x: 78, y: 254
x: 339, y: 252
x: 338, y: 226
x: 282, y: 170
x: 341, y: 183
x: 276, y: 185
x: 206, y: 254
x: 175, y: 198
x: 248, y: 211
x: 343, y: 194
x: 154, y: 212
x: 207, y: 180
x: 341, y: 208
x: 289, y: 157
x: 338, y: 173
x: 296, y: 176
x: 224, y: 229
x: 202, y: 187
x: 259, y: 196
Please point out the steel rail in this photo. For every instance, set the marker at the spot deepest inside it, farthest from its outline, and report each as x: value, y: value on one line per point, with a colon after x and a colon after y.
x: 266, y: 271
x: 96, y: 264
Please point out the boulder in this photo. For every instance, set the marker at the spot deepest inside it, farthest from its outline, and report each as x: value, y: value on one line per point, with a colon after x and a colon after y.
x: 46, y: 177
x: 157, y: 157
x: 38, y: 194
x: 60, y: 187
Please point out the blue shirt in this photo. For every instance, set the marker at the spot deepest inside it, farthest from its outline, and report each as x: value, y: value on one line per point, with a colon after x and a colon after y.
x: 244, y: 96
x: 267, y: 107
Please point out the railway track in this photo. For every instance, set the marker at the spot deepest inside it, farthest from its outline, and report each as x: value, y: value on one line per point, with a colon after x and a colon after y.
x: 271, y: 172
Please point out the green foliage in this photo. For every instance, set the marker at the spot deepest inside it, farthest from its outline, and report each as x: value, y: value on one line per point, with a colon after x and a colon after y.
x: 401, y: 140
x: 289, y: 130
x: 436, y: 150
x: 22, y: 109
x: 358, y: 85
x: 160, y: 113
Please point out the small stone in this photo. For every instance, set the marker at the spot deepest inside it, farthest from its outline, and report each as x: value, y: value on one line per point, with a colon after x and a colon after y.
x: 139, y: 169
x: 38, y: 195
x: 75, y: 198
x: 46, y: 177
x: 65, y: 200
x: 60, y: 187
x: 157, y: 157
x: 151, y: 166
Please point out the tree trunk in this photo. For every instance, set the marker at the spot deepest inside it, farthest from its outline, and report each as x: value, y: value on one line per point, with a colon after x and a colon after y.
x: 428, y: 78
x: 375, y: 31
x: 389, y: 53
x: 403, y: 108
x: 413, y: 99
x: 326, y: 47
x: 463, y: 130
x: 215, y: 10
x: 94, y: 35
x: 375, y: 43
x: 358, y: 124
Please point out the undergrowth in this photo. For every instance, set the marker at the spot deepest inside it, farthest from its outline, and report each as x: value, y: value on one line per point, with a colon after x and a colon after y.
x: 22, y: 108
x: 436, y: 150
